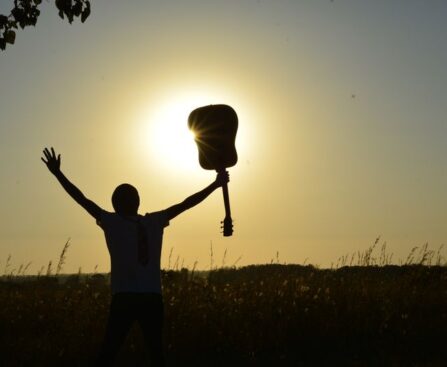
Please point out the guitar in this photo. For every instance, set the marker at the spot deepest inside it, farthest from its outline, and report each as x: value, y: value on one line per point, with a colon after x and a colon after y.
x: 215, y: 128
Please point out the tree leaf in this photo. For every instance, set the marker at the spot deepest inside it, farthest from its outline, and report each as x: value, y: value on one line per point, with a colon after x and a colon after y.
x: 77, y: 8
x: 10, y: 37
x: 86, y: 12
x: 2, y: 44
x: 13, y: 24
x: 60, y: 6
x: 18, y: 15
x: 3, y: 20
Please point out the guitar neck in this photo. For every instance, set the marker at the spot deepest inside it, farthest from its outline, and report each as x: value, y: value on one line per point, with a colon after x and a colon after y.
x: 227, y: 222
x: 226, y: 198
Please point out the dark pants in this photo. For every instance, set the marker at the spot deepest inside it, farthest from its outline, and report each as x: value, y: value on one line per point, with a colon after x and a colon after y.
x: 147, y: 310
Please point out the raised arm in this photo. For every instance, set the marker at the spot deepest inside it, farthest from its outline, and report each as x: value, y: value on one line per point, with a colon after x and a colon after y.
x: 54, y: 165
x: 198, y: 197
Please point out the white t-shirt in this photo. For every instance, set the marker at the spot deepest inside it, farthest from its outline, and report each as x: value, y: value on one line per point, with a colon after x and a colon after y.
x: 128, y: 275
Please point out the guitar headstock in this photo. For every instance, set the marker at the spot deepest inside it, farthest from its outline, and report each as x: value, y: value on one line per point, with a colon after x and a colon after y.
x: 227, y: 226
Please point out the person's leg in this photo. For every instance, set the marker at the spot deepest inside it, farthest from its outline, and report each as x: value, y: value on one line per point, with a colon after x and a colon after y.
x: 150, y: 317
x: 120, y: 320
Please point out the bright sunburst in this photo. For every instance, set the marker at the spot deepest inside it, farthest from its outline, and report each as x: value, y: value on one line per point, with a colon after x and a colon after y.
x: 170, y: 139
x: 166, y: 134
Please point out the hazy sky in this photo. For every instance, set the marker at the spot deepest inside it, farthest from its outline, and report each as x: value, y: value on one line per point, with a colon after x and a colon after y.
x: 342, y: 108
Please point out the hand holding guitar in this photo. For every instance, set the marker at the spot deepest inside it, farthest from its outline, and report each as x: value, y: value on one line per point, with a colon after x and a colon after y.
x: 222, y: 178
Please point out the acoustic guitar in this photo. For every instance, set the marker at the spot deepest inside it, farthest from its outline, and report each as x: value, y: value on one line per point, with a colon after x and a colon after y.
x: 215, y: 128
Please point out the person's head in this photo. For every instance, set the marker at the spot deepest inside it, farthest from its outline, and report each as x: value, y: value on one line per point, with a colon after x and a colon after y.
x: 125, y: 200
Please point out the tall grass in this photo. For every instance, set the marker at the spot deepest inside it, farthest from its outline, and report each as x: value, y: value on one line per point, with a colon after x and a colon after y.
x: 417, y: 256
x: 363, y: 311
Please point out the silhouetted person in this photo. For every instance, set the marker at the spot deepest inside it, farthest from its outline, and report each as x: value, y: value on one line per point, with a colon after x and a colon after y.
x: 134, y: 243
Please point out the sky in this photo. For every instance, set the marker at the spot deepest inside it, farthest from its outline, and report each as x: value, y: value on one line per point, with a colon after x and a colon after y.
x: 342, y: 127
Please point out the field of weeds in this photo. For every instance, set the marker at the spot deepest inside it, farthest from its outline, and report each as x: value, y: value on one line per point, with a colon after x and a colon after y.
x: 265, y: 315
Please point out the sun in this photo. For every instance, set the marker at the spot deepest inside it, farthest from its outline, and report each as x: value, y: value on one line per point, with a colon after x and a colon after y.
x: 170, y: 139
x: 165, y: 132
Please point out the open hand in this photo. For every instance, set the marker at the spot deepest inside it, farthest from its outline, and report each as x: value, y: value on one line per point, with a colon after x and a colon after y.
x: 53, y: 163
x: 222, y: 178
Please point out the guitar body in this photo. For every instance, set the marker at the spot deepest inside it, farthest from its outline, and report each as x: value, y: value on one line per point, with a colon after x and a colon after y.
x: 215, y: 128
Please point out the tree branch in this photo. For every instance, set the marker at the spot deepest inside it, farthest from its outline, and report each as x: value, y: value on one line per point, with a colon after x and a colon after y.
x: 26, y: 12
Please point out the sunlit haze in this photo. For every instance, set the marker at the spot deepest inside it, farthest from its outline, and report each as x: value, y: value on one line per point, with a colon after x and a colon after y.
x: 342, y: 127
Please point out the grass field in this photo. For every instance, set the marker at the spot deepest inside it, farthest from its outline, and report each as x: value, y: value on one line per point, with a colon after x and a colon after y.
x: 368, y: 314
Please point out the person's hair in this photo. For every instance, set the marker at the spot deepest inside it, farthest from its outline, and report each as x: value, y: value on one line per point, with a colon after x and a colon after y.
x: 125, y: 199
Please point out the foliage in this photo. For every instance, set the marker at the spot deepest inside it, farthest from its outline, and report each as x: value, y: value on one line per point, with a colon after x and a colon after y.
x: 26, y: 12
x: 281, y: 315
